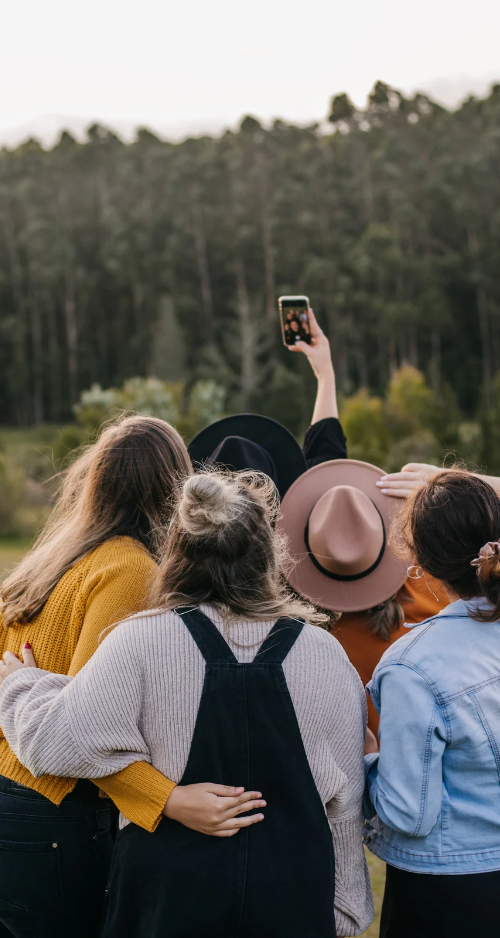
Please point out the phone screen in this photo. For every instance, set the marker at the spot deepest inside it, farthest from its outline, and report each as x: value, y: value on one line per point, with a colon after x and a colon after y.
x: 295, y: 320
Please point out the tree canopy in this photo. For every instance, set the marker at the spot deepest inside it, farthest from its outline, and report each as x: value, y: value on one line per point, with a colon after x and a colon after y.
x: 165, y: 259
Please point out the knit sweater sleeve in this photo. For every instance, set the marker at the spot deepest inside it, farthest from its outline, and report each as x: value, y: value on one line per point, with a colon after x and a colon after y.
x: 116, y: 586
x: 81, y: 727
x: 347, y: 728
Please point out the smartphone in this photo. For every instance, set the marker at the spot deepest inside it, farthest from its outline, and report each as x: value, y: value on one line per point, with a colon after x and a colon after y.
x: 294, y: 314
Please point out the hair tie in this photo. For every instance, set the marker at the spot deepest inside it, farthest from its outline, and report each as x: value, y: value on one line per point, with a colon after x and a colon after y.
x: 491, y: 549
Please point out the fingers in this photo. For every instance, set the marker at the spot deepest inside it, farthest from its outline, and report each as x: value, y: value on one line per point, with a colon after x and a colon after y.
x: 420, y: 467
x: 234, y: 824
x: 227, y: 791
x: 299, y: 347
x: 396, y: 477
x: 316, y: 329
x: 397, y: 493
x: 246, y: 806
x: 28, y: 656
x: 9, y: 657
x: 229, y: 804
x: 249, y: 796
x: 395, y: 484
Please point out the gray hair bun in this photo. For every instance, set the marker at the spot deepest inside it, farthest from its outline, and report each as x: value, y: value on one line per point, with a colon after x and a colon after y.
x: 209, y: 502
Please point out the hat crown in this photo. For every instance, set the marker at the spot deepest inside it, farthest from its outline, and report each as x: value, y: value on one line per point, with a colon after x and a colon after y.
x: 346, y: 532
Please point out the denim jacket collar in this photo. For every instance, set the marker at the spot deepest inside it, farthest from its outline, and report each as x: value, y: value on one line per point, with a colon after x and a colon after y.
x: 460, y: 607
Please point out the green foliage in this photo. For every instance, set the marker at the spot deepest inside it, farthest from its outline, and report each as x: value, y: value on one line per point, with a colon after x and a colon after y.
x: 68, y: 440
x: 489, y: 418
x: 364, y: 423
x: 188, y: 409
x: 27, y: 470
x: 409, y: 404
x: 409, y: 425
x: 154, y: 258
x: 12, y: 490
x: 341, y: 109
x: 283, y: 399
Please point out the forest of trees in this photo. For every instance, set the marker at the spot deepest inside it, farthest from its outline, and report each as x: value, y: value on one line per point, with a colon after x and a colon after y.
x: 162, y: 259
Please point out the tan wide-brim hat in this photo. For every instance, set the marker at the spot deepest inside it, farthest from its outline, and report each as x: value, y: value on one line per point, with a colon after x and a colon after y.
x: 337, y: 523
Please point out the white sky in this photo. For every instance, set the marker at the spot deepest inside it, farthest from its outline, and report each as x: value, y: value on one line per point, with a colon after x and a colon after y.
x: 211, y: 61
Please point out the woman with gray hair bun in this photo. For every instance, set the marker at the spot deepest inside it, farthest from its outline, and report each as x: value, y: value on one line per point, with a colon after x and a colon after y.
x: 227, y: 677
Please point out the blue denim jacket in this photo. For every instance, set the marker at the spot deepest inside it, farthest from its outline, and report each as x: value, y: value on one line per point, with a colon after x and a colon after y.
x: 435, y: 787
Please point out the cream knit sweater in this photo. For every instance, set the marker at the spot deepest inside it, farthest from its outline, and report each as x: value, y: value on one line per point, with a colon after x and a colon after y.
x: 138, y: 697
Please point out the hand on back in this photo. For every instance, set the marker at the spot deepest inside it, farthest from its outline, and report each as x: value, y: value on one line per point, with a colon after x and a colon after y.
x: 12, y: 662
x: 213, y: 809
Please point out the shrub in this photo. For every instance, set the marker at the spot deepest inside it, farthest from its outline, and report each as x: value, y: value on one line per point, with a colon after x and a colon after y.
x: 365, y: 426
x: 188, y: 409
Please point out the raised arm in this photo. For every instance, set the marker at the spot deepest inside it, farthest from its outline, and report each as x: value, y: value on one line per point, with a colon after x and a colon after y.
x: 319, y: 356
x: 325, y: 438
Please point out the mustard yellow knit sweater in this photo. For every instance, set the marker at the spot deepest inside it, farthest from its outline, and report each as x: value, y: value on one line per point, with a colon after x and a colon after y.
x: 107, y: 585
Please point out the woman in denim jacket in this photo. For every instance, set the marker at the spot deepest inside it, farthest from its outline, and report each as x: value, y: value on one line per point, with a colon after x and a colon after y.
x: 435, y: 785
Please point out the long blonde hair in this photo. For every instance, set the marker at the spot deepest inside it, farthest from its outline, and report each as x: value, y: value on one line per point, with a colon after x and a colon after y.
x: 119, y: 486
x: 221, y: 548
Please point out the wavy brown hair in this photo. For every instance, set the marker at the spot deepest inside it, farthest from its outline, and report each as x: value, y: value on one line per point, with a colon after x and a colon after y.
x: 387, y: 617
x: 221, y: 548
x: 445, y: 525
x: 119, y: 486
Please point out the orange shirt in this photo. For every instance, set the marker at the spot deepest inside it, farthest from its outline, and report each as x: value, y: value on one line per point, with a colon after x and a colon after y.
x: 420, y: 599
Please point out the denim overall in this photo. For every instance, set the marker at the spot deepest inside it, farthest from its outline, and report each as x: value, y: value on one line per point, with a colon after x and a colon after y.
x: 272, y: 880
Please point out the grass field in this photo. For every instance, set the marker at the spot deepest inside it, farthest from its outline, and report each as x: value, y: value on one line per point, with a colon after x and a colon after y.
x: 11, y: 552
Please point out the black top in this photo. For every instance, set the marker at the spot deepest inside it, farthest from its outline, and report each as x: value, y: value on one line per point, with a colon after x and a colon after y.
x: 323, y: 441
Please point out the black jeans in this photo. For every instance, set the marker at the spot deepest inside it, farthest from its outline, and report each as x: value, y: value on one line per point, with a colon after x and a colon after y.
x: 418, y: 905
x: 54, y: 862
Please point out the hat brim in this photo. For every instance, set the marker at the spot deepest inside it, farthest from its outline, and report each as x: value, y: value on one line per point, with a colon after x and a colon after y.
x: 341, y: 596
x: 273, y: 436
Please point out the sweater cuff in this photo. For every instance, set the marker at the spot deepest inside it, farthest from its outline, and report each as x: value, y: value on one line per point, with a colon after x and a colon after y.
x: 140, y: 792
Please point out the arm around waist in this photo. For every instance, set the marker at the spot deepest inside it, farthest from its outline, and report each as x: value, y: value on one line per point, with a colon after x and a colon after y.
x: 82, y: 727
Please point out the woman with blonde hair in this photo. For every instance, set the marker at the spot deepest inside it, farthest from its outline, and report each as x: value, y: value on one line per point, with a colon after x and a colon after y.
x: 227, y: 678
x: 93, y: 564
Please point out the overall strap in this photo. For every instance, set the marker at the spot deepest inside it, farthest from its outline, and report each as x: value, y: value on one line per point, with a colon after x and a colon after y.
x: 206, y: 635
x: 280, y: 640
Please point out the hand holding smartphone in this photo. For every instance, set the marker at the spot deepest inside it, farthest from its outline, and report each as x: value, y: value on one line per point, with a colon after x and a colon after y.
x: 295, y: 323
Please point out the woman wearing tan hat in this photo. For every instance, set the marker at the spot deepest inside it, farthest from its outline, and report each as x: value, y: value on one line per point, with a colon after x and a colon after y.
x: 337, y: 522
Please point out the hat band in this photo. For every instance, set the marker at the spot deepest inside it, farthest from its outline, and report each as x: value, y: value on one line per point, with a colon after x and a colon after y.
x: 346, y: 577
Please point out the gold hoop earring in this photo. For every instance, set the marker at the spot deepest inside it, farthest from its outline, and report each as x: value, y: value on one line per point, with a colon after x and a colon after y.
x: 415, y: 572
